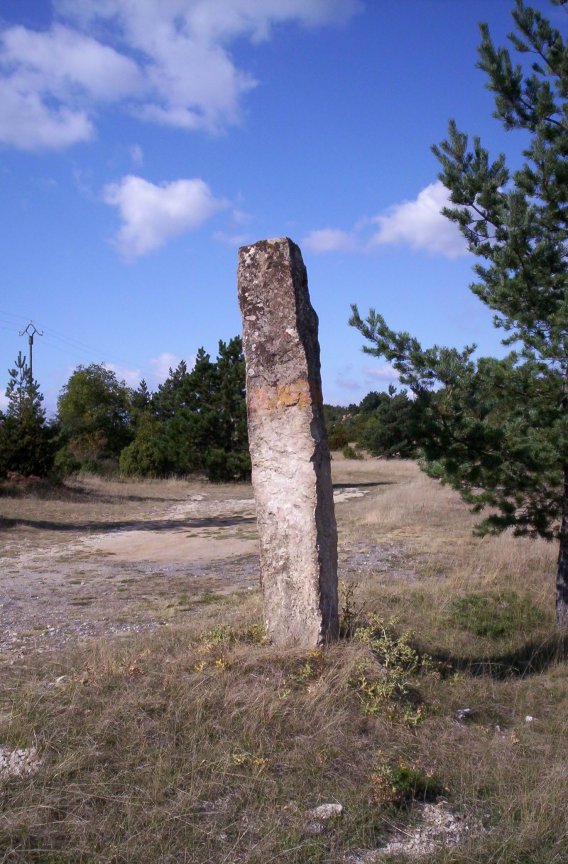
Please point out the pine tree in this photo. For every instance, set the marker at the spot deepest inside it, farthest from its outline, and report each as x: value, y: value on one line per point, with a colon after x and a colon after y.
x: 25, y: 440
x: 196, y: 421
x: 497, y: 430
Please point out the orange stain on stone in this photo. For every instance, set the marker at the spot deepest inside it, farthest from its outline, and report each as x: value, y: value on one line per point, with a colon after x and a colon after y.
x: 297, y: 393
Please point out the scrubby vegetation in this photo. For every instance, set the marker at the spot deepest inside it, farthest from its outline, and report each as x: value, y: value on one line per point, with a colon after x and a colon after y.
x: 200, y: 743
x: 194, y: 423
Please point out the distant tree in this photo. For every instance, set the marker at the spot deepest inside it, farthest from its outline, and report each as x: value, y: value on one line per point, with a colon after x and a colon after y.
x: 498, y: 429
x: 140, y: 399
x: 25, y: 445
x: 198, y: 421
x: 371, y: 402
x: 95, y: 416
x: 169, y: 397
x: 392, y: 427
x: 147, y: 454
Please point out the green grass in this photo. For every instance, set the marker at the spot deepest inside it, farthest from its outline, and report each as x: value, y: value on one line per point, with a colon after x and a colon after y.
x: 496, y: 614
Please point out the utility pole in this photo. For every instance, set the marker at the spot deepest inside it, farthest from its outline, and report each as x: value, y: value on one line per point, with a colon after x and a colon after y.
x: 31, y: 333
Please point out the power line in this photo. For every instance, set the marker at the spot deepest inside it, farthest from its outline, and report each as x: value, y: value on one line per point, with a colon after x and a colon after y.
x: 60, y: 342
x: 31, y: 333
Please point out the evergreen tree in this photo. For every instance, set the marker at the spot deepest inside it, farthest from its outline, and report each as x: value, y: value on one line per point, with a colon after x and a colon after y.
x: 497, y: 430
x: 391, y: 426
x: 141, y: 399
x: 196, y: 421
x: 24, y: 436
x: 169, y: 397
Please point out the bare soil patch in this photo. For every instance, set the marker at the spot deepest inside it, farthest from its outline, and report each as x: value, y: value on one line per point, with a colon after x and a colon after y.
x: 104, y: 557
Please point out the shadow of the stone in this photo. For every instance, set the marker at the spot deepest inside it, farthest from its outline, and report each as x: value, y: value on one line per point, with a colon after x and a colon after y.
x: 134, y: 525
x: 530, y: 659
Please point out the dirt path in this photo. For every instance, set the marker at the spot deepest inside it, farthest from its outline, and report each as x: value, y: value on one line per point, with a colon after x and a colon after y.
x: 108, y: 558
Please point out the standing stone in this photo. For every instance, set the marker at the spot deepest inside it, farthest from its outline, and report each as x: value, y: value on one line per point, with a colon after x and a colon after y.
x: 291, y: 470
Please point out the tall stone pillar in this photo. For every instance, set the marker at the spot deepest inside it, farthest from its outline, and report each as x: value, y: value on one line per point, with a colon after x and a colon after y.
x: 291, y: 471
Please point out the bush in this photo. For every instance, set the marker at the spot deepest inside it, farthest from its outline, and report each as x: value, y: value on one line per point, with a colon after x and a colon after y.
x: 65, y: 463
x: 146, y: 456
x: 349, y: 452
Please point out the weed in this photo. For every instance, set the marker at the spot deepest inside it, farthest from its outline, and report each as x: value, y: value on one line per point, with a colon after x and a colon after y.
x: 385, y: 686
x: 349, y: 452
x: 308, y: 668
x: 249, y: 760
x: 211, y: 597
x: 198, y: 743
x: 403, y: 783
x: 350, y: 611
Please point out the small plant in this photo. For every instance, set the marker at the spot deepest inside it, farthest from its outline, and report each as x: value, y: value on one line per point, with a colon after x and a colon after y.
x: 311, y: 667
x: 254, y: 634
x: 211, y: 597
x: 349, y: 452
x: 402, y: 784
x: 249, y: 760
x: 385, y: 686
x: 495, y: 614
x: 350, y: 612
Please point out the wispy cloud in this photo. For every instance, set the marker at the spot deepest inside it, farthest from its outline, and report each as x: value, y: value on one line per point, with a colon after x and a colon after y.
x: 167, y: 62
x: 161, y: 366
x: 345, y: 379
x: 381, y: 372
x: 137, y: 155
x: 153, y: 214
x: 330, y: 240
x: 132, y: 377
x: 417, y: 224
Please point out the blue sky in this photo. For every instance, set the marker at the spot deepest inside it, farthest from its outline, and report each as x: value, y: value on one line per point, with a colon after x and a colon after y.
x: 142, y: 142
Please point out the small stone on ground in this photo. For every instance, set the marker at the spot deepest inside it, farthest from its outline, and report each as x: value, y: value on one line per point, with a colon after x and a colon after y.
x: 16, y: 763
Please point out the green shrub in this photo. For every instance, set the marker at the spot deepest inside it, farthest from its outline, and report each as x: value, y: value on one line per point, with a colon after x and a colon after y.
x: 402, y: 784
x: 147, y: 455
x: 349, y: 452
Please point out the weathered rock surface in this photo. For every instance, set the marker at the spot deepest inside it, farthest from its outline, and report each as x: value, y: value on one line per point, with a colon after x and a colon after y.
x: 288, y: 443
x: 17, y: 763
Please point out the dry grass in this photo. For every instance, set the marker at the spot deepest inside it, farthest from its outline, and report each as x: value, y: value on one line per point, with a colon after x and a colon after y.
x: 200, y: 744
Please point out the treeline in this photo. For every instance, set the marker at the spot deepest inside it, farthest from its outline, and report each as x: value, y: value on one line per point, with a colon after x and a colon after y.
x: 384, y: 424
x: 194, y: 422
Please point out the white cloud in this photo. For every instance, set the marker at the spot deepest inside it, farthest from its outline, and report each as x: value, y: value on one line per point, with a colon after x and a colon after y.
x: 161, y: 366
x: 4, y: 402
x: 168, y: 62
x: 152, y: 214
x: 132, y: 377
x: 61, y: 60
x: 49, y: 82
x: 384, y: 372
x: 330, y: 240
x: 345, y: 382
x: 28, y: 124
x: 420, y: 225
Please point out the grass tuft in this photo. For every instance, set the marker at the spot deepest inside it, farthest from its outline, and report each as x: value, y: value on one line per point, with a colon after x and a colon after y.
x: 198, y: 743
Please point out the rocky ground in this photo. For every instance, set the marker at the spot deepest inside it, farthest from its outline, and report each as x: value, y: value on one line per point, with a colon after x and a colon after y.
x: 100, y: 558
